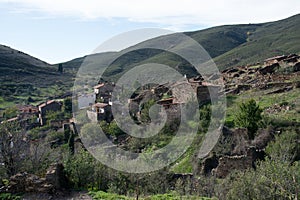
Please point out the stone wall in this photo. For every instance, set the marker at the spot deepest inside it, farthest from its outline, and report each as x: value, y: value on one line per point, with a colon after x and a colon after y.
x: 229, y: 163
x: 235, y: 151
x: 55, y: 180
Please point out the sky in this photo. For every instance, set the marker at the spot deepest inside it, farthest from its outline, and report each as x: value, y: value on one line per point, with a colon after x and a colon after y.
x: 60, y: 30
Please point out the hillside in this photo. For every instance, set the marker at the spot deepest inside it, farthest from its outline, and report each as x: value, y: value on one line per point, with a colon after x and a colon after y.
x: 228, y: 45
x: 233, y: 45
x: 255, y: 152
x: 266, y: 40
x: 23, y: 76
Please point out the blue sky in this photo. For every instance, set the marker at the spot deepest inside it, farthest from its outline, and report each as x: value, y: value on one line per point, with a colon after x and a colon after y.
x: 60, y: 30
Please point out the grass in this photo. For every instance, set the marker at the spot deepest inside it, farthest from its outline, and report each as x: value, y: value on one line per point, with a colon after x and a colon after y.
x: 170, y: 196
x: 255, y: 67
x: 184, y: 165
x: 265, y: 101
x: 5, y: 104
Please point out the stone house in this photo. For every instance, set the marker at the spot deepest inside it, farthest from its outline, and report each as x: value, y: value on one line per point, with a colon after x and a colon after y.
x: 103, y: 92
x: 100, y: 112
x: 275, y: 59
x: 43, y: 108
x: 97, y: 88
x: 268, y: 69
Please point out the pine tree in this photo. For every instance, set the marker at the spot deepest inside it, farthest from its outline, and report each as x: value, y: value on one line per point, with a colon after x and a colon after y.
x: 249, y: 116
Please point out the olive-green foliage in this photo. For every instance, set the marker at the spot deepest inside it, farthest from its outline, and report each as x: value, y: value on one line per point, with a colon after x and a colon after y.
x: 168, y: 196
x: 84, y: 172
x: 81, y: 117
x: 54, y: 115
x: 205, y: 117
x: 67, y: 107
x: 80, y: 169
x: 10, y: 112
x: 109, y: 196
x: 55, y: 136
x: 272, y: 180
x: 175, y: 197
x: 275, y: 178
x: 38, y: 132
x: 91, y: 135
x: 145, y: 118
x: 9, y: 196
x: 113, y: 129
x: 248, y: 116
x: 286, y: 147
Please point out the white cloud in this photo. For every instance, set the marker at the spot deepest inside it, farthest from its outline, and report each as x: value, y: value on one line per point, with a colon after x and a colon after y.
x: 172, y: 13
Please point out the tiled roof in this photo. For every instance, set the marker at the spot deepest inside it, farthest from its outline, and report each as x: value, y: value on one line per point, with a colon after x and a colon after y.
x: 46, y: 103
x: 100, y: 105
x: 99, y: 86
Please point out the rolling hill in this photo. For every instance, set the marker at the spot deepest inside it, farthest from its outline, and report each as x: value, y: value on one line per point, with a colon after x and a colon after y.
x: 23, y: 76
x: 228, y: 45
x: 266, y: 40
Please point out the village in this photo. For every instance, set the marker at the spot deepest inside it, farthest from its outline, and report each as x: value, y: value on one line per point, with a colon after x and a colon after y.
x: 277, y: 74
x: 170, y: 95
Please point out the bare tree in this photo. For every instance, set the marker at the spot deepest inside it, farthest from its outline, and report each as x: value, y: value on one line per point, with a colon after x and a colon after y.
x: 13, y: 147
x: 40, y: 156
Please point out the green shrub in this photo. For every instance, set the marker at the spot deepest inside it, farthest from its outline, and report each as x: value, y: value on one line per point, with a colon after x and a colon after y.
x: 9, y: 196
x: 174, y: 196
x: 249, y: 116
x: 275, y: 178
x: 108, y: 196
x: 53, y: 136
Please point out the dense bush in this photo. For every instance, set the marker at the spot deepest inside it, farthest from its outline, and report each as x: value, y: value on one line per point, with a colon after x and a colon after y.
x: 275, y: 178
x: 109, y: 196
x: 249, y: 116
x: 9, y: 196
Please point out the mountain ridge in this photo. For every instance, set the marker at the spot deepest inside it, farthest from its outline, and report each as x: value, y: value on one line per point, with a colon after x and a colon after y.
x: 228, y: 45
